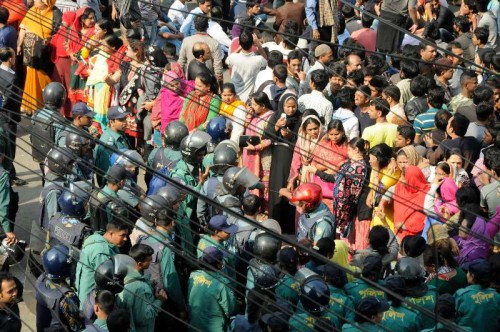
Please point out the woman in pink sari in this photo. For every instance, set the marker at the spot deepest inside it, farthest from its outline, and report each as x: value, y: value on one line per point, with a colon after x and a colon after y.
x: 172, y: 98
x: 329, y: 155
x: 257, y: 158
x: 310, y: 133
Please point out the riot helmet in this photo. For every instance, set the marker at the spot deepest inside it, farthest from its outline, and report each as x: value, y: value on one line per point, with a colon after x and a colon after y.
x: 54, y: 96
x: 115, y: 155
x: 110, y: 274
x: 118, y: 210
x: 227, y: 143
x: 314, y: 293
x: 72, y: 205
x: 218, y: 129
x: 151, y: 207
x: 171, y: 194
x: 11, y: 254
x: 76, y: 143
x: 193, y: 144
x: 409, y: 269
x: 310, y: 194
x: 130, y: 160
x: 174, y: 132
x: 266, y: 247
x: 60, y: 160
x: 57, y: 262
x: 235, y: 177
x: 224, y: 158
x: 265, y: 276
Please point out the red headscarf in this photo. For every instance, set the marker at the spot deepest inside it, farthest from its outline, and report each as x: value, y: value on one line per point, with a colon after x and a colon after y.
x: 58, y: 40
x: 76, y: 41
x: 409, y: 198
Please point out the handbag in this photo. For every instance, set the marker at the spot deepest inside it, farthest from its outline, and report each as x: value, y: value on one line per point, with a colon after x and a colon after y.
x: 36, y: 53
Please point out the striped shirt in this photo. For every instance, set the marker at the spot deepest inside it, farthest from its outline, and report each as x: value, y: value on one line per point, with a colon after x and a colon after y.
x: 424, y: 122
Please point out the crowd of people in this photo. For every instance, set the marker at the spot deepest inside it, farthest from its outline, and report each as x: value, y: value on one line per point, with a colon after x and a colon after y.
x: 204, y: 170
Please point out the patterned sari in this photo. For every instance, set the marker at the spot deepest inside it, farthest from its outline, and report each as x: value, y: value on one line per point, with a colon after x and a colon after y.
x: 39, y: 25
x: 259, y: 161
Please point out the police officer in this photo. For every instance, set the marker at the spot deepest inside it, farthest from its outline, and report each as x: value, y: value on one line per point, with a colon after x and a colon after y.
x: 220, y: 232
x: 130, y: 193
x: 219, y: 128
x: 418, y: 292
x: 316, y: 221
x: 151, y: 207
x: 96, y: 249
x: 399, y: 317
x: 162, y: 270
x: 167, y: 156
x: 99, y: 205
x: 223, y: 158
x: 288, y: 288
x: 359, y: 289
x: 82, y: 119
x: 108, y: 276
x: 67, y: 227
x: 189, y: 170
x: 83, y: 166
x: 340, y: 303
x: 104, y: 305
x: 314, y: 296
x: 139, y: 295
x: 112, y: 136
x: 59, y: 164
x: 369, y: 315
x: 57, y: 303
x: 265, y: 250
x: 478, y: 305
x: 210, y: 302
x: 47, y: 123
x: 229, y: 192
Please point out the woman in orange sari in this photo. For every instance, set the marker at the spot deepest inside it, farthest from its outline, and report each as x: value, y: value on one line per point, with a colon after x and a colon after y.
x: 200, y: 104
x: 36, y: 30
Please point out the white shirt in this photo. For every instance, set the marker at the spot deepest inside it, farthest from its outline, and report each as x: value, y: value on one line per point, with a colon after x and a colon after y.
x: 216, y: 32
x: 317, y: 101
x: 177, y: 12
x: 7, y: 69
x: 244, y: 69
x: 263, y: 76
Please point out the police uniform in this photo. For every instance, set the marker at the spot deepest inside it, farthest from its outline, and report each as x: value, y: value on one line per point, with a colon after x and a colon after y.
x: 107, y: 194
x: 99, y: 325
x: 54, y: 185
x: 102, y: 153
x: 342, y: 305
x: 46, y: 126
x: 211, y: 302
x: 95, y: 250
x: 428, y: 301
x: 5, y: 190
x: 316, y: 225
x: 359, y: 289
x: 304, y: 322
x: 163, y: 157
x: 189, y: 175
x: 365, y: 327
x: 288, y: 290
x: 401, y: 319
x: 130, y: 193
x: 166, y: 260
x: 203, y: 209
x: 478, y: 308
x: 57, y: 304
x: 229, y: 261
x: 144, y: 308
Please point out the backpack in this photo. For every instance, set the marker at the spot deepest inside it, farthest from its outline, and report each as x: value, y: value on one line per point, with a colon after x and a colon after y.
x: 156, y: 181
